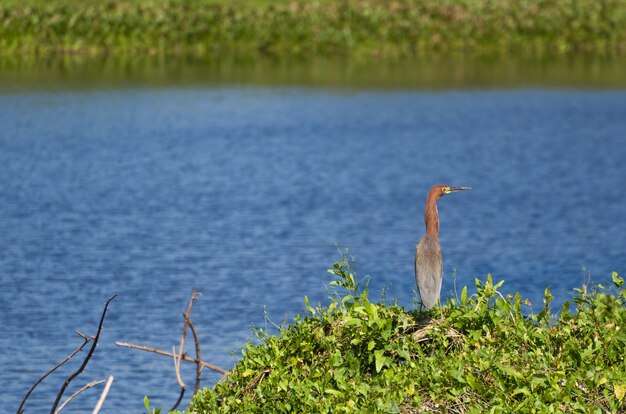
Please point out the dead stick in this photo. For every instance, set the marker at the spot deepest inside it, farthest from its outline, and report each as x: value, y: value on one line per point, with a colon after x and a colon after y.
x: 196, y: 387
x: 180, y: 398
x: 20, y: 410
x: 103, y: 396
x: 182, y: 339
x: 171, y: 355
x: 71, y: 397
x: 87, y: 358
x: 183, y: 388
x: 181, y: 350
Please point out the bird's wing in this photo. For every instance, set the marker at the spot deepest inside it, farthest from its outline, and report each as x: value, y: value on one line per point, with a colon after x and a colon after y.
x: 428, y: 271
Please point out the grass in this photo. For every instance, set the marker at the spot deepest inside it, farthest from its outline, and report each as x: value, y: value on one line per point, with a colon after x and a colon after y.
x: 300, y: 28
x: 480, y: 353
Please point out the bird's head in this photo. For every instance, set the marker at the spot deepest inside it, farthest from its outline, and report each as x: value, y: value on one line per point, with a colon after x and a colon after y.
x: 441, y: 190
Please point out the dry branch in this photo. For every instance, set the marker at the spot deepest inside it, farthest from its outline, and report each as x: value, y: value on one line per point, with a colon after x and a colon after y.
x: 181, y: 355
x: 182, y: 340
x: 71, y: 397
x: 180, y: 398
x: 183, y: 388
x: 196, y: 386
x: 20, y: 410
x: 185, y: 357
x: 86, y: 360
x: 181, y: 348
x: 103, y: 396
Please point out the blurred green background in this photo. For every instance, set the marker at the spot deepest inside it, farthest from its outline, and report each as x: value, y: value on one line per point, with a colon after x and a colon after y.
x: 403, y: 43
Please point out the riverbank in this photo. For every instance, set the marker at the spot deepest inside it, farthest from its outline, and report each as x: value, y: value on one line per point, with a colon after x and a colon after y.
x: 477, y: 353
x: 368, y: 29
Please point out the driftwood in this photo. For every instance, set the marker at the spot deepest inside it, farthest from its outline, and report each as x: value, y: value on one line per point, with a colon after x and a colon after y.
x: 181, y: 355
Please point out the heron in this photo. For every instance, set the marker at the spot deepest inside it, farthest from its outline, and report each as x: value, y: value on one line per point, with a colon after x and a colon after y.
x: 428, y: 260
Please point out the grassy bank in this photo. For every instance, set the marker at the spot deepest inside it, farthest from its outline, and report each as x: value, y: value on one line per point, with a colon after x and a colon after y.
x: 479, y: 353
x: 302, y: 28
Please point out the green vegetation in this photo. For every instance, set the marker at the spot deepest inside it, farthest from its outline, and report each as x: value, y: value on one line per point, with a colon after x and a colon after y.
x: 478, y: 353
x: 302, y: 28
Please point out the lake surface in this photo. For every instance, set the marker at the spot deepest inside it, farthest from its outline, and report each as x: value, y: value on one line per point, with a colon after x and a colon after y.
x: 243, y: 193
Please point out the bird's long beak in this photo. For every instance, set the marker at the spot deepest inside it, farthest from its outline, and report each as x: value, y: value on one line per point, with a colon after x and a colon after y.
x: 455, y: 189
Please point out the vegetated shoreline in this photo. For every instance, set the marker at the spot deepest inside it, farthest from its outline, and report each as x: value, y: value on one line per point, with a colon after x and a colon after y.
x: 361, y: 29
x: 479, y: 353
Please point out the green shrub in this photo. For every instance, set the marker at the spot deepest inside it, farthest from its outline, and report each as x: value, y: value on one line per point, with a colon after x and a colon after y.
x: 480, y: 353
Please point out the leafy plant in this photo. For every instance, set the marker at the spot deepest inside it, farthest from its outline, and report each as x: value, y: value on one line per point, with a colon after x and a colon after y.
x: 481, y: 353
x: 150, y: 410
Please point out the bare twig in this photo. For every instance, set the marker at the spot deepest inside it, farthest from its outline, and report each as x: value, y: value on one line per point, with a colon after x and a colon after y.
x: 103, y: 396
x: 182, y: 339
x: 196, y: 387
x: 86, y: 360
x: 222, y: 379
x: 176, y: 364
x: 71, y: 397
x: 177, y: 358
x: 181, y: 349
x: 180, y: 398
x: 20, y: 410
x: 257, y: 380
x: 171, y: 355
x: 183, y: 388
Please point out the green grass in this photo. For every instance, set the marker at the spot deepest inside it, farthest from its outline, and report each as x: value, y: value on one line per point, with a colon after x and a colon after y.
x: 301, y: 28
x: 479, y: 353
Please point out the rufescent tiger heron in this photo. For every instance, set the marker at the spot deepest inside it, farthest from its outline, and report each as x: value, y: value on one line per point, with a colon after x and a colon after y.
x: 428, y: 260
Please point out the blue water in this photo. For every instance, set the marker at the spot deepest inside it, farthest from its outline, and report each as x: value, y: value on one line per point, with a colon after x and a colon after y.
x: 242, y: 193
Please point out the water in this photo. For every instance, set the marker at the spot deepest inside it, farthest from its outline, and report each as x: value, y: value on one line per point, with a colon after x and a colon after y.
x: 242, y: 193
x: 430, y: 73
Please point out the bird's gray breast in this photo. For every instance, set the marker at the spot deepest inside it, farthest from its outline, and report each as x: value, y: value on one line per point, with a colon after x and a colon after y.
x: 428, y: 270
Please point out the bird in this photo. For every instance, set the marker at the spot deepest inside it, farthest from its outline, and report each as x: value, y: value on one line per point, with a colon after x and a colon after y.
x: 428, y: 260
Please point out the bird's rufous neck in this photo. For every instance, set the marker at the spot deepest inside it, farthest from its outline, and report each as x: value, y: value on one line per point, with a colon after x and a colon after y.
x: 431, y: 217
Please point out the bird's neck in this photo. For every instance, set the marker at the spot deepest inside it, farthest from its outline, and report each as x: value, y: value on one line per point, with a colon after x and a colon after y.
x: 431, y: 218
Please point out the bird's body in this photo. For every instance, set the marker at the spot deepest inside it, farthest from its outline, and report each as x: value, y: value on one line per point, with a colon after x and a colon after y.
x: 428, y: 270
x: 428, y: 259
